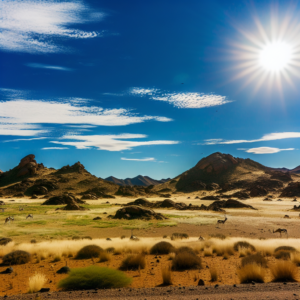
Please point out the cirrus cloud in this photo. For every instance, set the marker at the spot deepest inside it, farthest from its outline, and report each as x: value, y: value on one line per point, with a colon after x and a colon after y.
x: 265, y: 150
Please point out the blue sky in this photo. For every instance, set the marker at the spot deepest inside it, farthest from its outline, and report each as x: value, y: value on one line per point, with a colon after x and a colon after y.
x: 148, y: 87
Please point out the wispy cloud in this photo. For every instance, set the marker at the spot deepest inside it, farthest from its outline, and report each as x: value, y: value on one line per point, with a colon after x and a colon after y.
x: 265, y: 150
x: 34, y: 26
x: 182, y: 100
x: 43, y: 66
x: 24, y: 117
x: 55, y: 148
x: 19, y: 140
x: 139, y: 159
x: 266, y: 137
x: 109, y: 142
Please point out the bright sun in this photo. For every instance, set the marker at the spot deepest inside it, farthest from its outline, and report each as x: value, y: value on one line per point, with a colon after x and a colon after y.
x: 276, y: 56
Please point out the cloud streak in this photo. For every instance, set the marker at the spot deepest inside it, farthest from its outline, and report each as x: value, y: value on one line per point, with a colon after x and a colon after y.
x: 43, y: 66
x: 266, y: 137
x: 55, y: 148
x: 34, y: 26
x: 139, y: 159
x: 265, y: 150
x: 182, y: 100
x: 109, y: 142
x: 24, y: 117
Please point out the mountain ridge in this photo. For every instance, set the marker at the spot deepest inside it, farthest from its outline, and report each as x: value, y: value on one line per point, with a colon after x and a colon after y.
x: 139, y: 180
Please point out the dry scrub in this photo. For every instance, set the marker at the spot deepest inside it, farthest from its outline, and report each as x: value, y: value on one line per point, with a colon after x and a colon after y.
x: 36, y: 282
x: 251, y: 272
x: 284, y: 271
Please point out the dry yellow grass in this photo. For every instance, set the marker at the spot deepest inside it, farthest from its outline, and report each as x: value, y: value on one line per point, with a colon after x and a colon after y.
x: 104, y: 256
x: 166, y: 276
x: 251, y: 272
x: 36, y: 282
x: 284, y: 271
x: 295, y: 258
x: 213, y: 274
x: 208, y: 251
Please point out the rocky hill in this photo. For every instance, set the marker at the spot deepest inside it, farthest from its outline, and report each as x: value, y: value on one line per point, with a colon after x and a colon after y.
x: 138, y: 180
x: 33, y: 179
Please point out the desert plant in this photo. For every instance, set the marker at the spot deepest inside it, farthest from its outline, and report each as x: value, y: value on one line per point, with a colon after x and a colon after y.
x: 244, y: 251
x: 181, y: 236
x: 285, y: 248
x: 213, y: 274
x: 133, y: 262
x: 295, y: 258
x: 75, y: 237
x: 251, y: 273
x: 17, y: 257
x: 87, y: 238
x: 184, y: 249
x: 162, y: 248
x: 171, y: 256
x: 257, y: 259
x: 36, y: 282
x: 284, y: 271
x: 90, y: 251
x: 56, y: 258
x: 166, y: 276
x: 282, y: 254
x: 165, y: 236
x: 33, y: 241
x: 123, y: 237
x: 208, y: 251
x: 218, y: 236
x: 94, y: 277
x: 104, y: 256
x: 243, y: 244
x: 110, y: 250
x: 186, y: 260
x: 5, y: 241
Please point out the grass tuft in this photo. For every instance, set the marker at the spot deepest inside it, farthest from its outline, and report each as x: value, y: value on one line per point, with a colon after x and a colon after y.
x: 36, y: 282
x: 251, y: 272
x: 166, y: 276
x: 257, y: 259
x: 94, y: 277
x: 243, y: 244
x: 213, y: 274
x: 104, y: 256
x: 186, y: 260
x: 133, y: 262
x: 162, y: 248
x: 282, y: 254
x: 284, y: 271
x: 90, y: 251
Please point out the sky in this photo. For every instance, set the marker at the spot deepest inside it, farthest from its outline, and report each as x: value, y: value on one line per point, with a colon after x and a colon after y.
x: 149, y: 87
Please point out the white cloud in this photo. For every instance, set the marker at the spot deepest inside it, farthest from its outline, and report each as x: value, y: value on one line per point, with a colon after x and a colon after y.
x: 32, y: 26
x: 182, y: 100
x: 139, y: 159
x: 43, y: 66
x: 55, y: 148
x: 23, y: 117
x: 109, y: 142
x: 266, y: 137
x: 265, y: 150
x: 18, y: 140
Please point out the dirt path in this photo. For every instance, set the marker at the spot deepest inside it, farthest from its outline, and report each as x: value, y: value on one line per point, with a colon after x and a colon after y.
x: 243, y: 291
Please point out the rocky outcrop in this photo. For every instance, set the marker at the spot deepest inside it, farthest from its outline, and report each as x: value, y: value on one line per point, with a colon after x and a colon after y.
x: 141, y: 201
x: 97, y: 192
x: 292, y: 190
x: 89, y: 196
x: 242, y: 195
x: 137, y: 212
x: 76, y: 168
x: 230, y: 203
x: 283, y: 176
x: 210, y: 198
x: 72, y: 205
x: 27, y: 166
x: 63, y: 199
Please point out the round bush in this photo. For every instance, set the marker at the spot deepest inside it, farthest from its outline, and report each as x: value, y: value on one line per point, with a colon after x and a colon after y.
x: 185, y: 249
x: 94, y: 277
x: 282, y: 254
x: 133, y: 262
x: 243, y: 244
x: 162, y: 248
x: 90, y: 251
x: 186, y: 260
x: 17, y: 257
x: 4, y: 241
x: 285, y: 248
x: 257, y: 259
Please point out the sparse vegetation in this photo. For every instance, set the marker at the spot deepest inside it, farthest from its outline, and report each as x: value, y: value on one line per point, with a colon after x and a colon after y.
x: 162, y: 248
x: 56, y: 258
x: 284, y: 271
x: 104, y: 256
x: 285, y: 248
x: 17, y: 257
x: 218, y: 236
x: 36, y: 282
x: 243, y: 244
x: 5, y: 241
x: 90, y: 251
x: 177, y: 235
x: 295, y: 258
x: 251, y: 273
x: 213, y: 274
x: 257, y: 259
x: 87, y: 238
x: 133, y: 262
x: 166, y: 276
x: 208, y: 251
x: 282, y: 254
x: 94, y: 277
x: 186, y: 260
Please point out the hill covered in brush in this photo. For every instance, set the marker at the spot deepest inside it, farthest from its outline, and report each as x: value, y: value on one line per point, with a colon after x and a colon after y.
x: 138, y: 180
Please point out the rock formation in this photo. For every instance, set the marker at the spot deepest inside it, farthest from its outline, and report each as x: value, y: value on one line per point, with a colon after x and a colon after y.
x: 27, y: 165
x: 137, y: 212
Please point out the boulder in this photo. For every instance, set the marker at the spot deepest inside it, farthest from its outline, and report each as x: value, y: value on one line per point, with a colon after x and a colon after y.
x: 90, y: 196
x: 97, y: 218
x: 242, y: 195
x: 73, y: 206
x: 140, y: 201
x: 210, y: 198
x: 137, y: 212
x: 258, y: 191
x: 26, y: 160
x: 63, y: 199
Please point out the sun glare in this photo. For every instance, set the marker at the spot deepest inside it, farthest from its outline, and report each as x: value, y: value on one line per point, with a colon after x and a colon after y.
x: 276, y: 56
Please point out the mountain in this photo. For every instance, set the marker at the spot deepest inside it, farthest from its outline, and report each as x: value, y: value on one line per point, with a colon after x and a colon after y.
x: 224, y: 171
x: 138, y: 180
x: 295, y: 170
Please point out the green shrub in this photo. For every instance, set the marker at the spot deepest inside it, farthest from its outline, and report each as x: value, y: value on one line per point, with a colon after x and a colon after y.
x: 162, y: 248
x: 243, y: 244
x: 133, y: 262
x: 186, y: 260
x: 17, y: 257
x: 255, y: 259
x: 94, y: 277
x: 90, y: 251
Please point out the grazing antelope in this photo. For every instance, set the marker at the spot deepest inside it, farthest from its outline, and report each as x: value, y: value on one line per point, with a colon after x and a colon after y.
x: 201, y: 238
x: 280, y: 230
x: 21, y: 208
x: 222, y: 221
x: 133, y: 237
x: 8, y: 219
x: 29, y: 216
x: 286, y: 216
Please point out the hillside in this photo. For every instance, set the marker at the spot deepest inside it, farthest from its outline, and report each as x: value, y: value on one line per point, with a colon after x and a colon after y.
x: 30, y: 178
x: 138, y: 180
